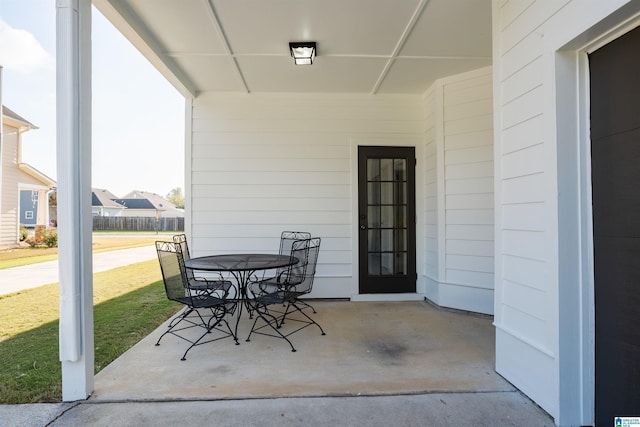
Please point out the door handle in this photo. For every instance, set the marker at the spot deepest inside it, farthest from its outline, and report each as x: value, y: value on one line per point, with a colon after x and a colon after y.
x: 362, y: 227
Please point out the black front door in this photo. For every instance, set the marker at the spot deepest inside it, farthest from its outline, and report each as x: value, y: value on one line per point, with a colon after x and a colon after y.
x: 387, y: 219
x: 615, y: 162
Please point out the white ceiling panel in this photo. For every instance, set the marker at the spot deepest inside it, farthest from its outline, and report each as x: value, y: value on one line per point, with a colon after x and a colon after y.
x: 452, y: 28
x: 179, y: 28
x: 364, y: 46
x: 327, y: 74
x: 351, y: 27
x: 212, y: 73
x: 411, y: 76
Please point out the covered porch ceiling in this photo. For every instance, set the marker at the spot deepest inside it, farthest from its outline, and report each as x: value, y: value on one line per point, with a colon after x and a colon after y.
x: 364, y: 46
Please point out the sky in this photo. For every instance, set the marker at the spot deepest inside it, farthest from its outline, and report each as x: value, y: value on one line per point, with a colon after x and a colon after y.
x: 138, y: 117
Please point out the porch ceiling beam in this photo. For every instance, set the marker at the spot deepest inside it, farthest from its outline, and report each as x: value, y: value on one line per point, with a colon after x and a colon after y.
x: 403, y: 39
x: 225, y: 42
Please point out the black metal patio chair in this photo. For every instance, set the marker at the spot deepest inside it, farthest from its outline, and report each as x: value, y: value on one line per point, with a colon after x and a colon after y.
x: 285, y: 289
x: 199, y: 283
x: 269, y: 283
x: 205, y: 310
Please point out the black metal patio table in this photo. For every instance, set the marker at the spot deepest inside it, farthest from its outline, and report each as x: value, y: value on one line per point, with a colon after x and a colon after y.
x: 241, y: 267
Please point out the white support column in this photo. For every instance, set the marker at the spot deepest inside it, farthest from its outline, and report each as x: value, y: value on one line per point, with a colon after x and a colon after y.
x: 73, y: 35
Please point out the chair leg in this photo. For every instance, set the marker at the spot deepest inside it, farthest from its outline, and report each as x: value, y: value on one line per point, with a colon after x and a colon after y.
x: 303, y: 302
x: 187, y: 311
x: 217, y: 313
x: 176, y: 321
x: 220, y: 318
x: 270, y: 323
x: 293, y: 303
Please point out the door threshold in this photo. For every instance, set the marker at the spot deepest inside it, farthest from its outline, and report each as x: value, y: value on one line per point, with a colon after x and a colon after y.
x: 388, y: 297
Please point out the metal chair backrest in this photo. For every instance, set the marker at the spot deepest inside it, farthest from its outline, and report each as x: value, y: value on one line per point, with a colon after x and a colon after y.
x: 288, y: 237
x: 173, y: 270
x: 287, y: 240
x: 181, y: 240
x: 300, y: 276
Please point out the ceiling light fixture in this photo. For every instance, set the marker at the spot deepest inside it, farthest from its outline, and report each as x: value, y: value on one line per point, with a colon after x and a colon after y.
x: 303, y: 53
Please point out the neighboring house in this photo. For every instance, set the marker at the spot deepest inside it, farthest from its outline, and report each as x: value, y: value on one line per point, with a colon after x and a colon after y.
x: 522, y: 118
x: 24, y: 191
x: 103, y: 203
x: 146, y: 204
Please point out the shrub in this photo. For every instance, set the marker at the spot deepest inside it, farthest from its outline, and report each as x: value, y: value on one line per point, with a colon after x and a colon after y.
x: 50, y: 238
x: 24, y: 233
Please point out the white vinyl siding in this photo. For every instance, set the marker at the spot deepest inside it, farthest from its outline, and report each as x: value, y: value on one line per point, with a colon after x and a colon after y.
x: 9, y: 181
x: 262, y: 164
x: 528, y: 314
x: 12, y: 180
x: 460, y: 227
x: 431, y: 190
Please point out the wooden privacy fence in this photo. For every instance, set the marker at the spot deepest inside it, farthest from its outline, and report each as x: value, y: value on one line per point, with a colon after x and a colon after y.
x: 138, y: 223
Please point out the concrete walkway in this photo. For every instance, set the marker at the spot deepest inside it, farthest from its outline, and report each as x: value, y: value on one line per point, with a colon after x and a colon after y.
x: 433, y: 410
x: 31, y: 276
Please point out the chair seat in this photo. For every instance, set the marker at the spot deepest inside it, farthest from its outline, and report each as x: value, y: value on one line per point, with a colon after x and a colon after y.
x: 277, y: 297
x: 284, y: 290
x: 200, y: 284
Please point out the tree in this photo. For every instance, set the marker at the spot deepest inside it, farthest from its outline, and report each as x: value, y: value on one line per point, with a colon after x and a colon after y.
x: 176, y: 197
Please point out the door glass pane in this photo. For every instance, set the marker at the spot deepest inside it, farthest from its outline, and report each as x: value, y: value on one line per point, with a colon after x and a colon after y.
x: 386, y: 219
x: 386, y: 169
x: 386, y: 266
x: 374, y: 264
x: 373, y: 193
x: 387, y: 193
x: 374, y: 240
x: 400, y: 242
x: 400, y: 169
x: 387, y: 240
x: 400, y: 193
x: 373, y: 217
x: 373, y: 169
x: 399, y: 217
x: 401, y: 263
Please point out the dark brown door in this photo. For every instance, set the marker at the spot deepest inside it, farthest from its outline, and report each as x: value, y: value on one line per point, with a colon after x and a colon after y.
x: 615, y: 152
x: 387, y: 219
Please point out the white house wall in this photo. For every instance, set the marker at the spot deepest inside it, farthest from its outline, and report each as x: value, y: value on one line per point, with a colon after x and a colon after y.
x: 459, y: 192
x: 529, y: 312
x: 11, y: 179
x: 261, y: 164
x: 432, y: 191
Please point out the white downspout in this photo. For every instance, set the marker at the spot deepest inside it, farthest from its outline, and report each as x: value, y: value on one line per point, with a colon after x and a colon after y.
x: 73, y: 104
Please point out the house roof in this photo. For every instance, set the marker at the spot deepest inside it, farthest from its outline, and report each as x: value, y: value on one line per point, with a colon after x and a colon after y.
x: 14, y: 119
x: 36, y: 174
x: 363, y: 46
x: 146, y: 200
x: 104, y: 198
x: 136, y: 203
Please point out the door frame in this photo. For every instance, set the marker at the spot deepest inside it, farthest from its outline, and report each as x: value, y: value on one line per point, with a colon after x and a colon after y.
x: 417, y: 142
x: 381, y: 282
x: 576, y: 296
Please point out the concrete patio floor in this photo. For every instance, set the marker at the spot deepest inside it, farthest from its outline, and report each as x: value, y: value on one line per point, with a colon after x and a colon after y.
x: 380, y: 364
x: 424, y: 361
x: 371, y: 348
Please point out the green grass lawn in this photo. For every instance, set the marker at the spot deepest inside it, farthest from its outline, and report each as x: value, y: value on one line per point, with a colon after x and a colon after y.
x: 129, y: 303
